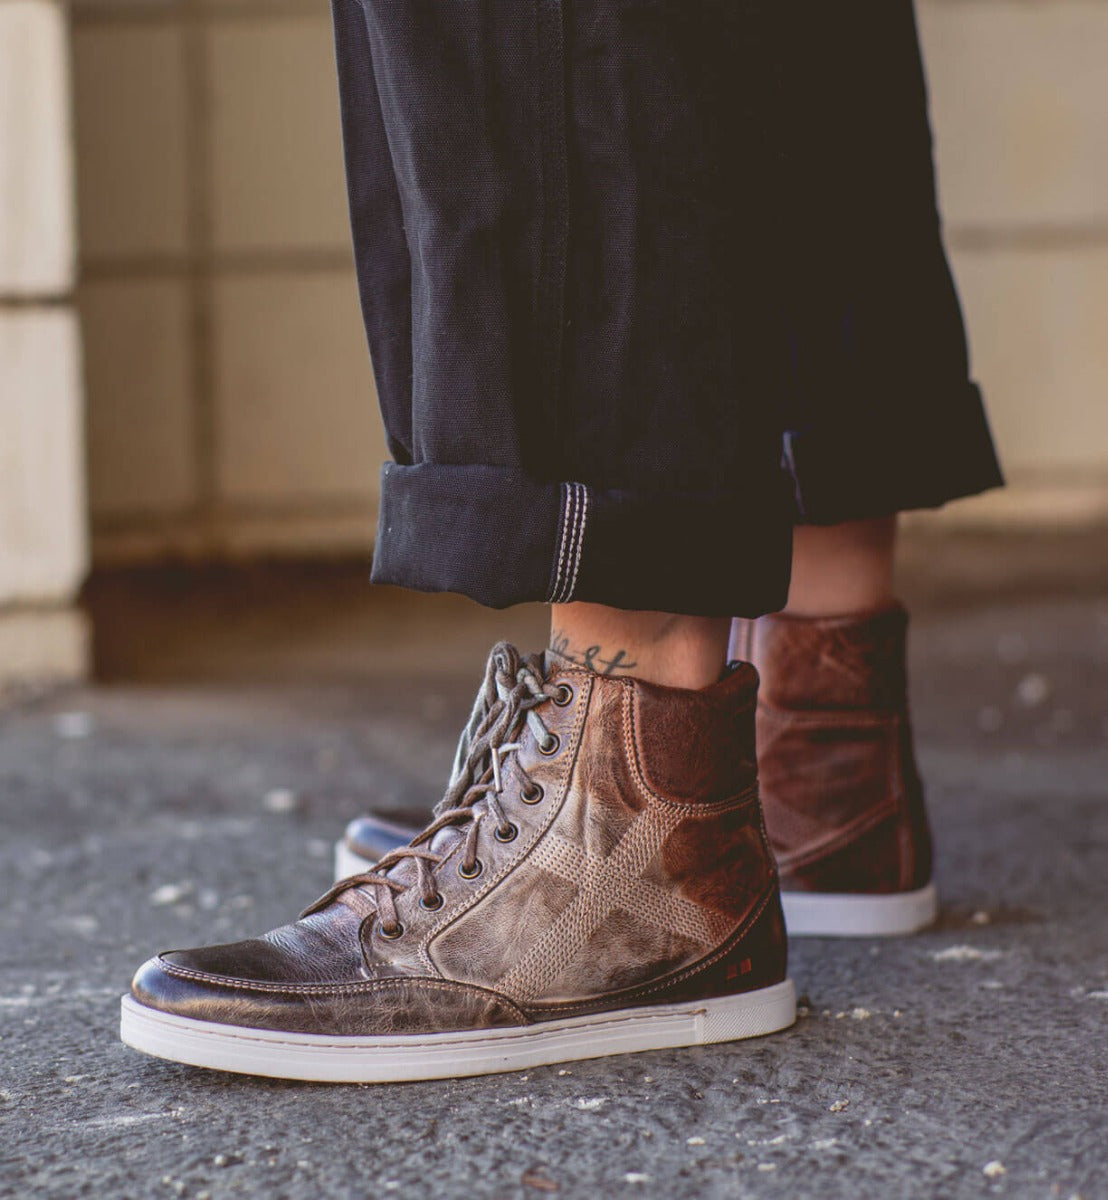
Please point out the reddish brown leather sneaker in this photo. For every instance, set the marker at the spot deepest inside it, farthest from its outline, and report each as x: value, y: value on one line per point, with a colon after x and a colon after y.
x: 841, y: 793
x: 596, y: 881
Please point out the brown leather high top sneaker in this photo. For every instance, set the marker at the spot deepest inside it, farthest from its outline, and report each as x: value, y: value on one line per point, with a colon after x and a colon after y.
x: 596, y: 881
x: 842, y: 796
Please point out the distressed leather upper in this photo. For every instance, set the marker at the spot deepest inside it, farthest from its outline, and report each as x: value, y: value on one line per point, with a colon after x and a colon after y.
x: 633, y: 870
x: 842, y: 795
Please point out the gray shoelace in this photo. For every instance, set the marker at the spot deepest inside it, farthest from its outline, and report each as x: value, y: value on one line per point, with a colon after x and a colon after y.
x: 512, y: 691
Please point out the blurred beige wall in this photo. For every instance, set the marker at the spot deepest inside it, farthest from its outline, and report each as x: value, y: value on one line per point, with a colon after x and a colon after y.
x: 231, y: 406
x: 1019, y: 97
x: 42, y: 491
x: 230, y: 403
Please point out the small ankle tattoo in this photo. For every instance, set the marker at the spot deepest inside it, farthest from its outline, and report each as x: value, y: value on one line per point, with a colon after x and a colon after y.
x: 601, y: 659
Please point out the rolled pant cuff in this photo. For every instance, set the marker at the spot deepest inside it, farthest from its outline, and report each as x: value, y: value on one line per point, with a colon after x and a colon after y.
x: 945, y: 452
x: 501, y: 537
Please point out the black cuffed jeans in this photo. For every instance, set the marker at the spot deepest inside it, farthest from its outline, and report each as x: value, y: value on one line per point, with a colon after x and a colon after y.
x: 646, y: 282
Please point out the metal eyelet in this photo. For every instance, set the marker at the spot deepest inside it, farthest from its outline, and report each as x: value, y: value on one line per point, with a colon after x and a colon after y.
x: 478, y: 867
x: 432, y: 905
x: 532, y: 794
x: 564, y: 695
x: 390, y: 935
x: 508, y: 834
x: 550, y: 745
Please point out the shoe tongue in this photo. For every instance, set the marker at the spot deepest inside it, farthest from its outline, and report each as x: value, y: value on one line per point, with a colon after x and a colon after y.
x: 553, y: 662
x: 406, y: 872
x: 506, y: 658
x: 446, y: 839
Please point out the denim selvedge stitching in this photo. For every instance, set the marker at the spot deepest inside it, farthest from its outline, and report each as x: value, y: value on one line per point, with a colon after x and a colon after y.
x: 574, y: 519
x: 563, y: 544
x: 575, y: 504
x: 580, y: 539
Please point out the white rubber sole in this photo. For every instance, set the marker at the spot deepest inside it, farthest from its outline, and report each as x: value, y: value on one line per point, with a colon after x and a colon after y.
x: 323, y: 1059
x: 348, y: 863
x: 835, y: 914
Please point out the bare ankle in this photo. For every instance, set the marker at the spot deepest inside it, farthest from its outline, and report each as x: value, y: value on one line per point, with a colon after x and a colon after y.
x: 843, y: 569
x: 677, y: 651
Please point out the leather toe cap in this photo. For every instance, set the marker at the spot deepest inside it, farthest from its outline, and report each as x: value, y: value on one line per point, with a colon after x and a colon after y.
x: 370, y: 1008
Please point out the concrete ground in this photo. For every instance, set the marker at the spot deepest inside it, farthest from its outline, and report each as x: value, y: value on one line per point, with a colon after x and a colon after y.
x: 193, y: 795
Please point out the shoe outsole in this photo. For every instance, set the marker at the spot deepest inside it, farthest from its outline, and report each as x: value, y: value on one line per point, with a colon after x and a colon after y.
x: 839, y: 914
x: 807, y: 914
x: 323, y: 1059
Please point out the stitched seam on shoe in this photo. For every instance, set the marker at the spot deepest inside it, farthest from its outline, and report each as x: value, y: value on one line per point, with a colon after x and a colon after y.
x: 423, y: 950
x: 690, y: 972
x: 257, y: 985
x: 566, y: 860
x: 463, y: 906
x: 596, y: 898
x: 905, y: 843
x: 838, y: 717
x: 575, y: 737
x: 631, y: 747
x: 838, y: 839
x: 701, y: 965
x: 341, y: 989
x: 491, y: 1032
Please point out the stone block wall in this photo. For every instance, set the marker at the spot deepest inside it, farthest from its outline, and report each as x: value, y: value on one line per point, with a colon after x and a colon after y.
x: 1019, y: 92
x: 231, y: 406
x: 42, y: 493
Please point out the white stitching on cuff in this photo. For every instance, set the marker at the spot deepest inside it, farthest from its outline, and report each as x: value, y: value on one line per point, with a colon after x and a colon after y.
x: 575, y: 511
x: 564, y: 590
x: 559, y: 574
x: 580, y: 540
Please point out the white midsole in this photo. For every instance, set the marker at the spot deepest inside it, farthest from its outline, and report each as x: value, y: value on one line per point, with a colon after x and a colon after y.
x: 838, y: 914
x: 327, y: 1059
x: 348, y: 863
